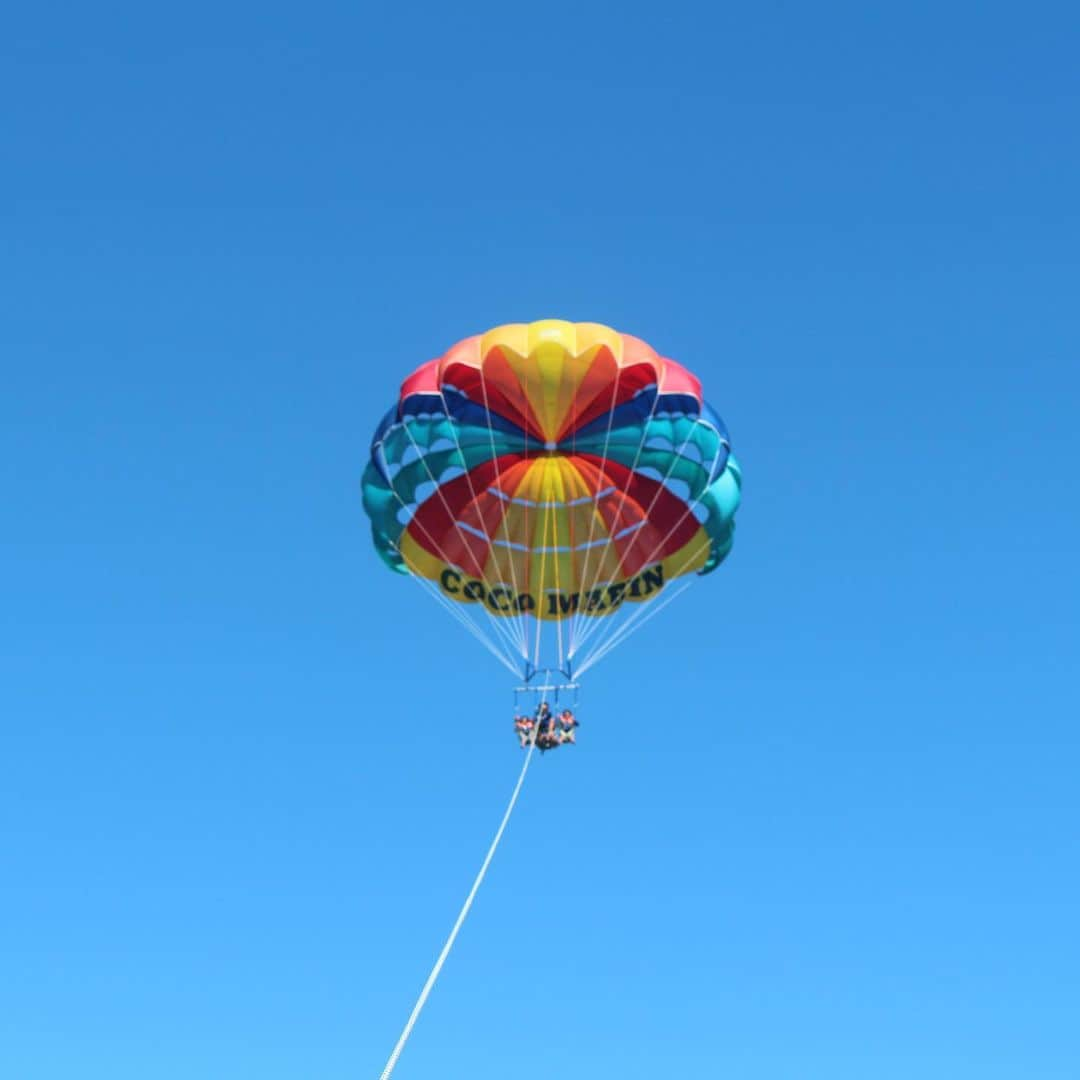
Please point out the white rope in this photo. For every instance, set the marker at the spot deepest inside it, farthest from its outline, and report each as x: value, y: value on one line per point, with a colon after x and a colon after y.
x: 577, y: 625
x: 454, y: 609
x: 615, y: 630
x: 557, y: 481
x: 505, y: 641
x: 599, y: 625
x: 543, y: 562
x: 596, y: 502
x: 629, y: 627
x: 521, y: 622
x: 496, y: 621
x: 422, y: 999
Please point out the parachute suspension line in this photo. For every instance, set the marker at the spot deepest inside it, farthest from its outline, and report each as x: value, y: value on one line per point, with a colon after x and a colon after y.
x: 620, y: 633
x: 575, y: 617
x: 638, y: 619
x: 557, y: 479
x: 548, y: 508
x: 496, y: 623
x: 530, y: 530
x: 489, y: 643
x: 520, y: 620
x: 581, y: 629
x: 599, y: 624
x: 422, y: 999
x: 508, y: 659
x: 492, y: 643
x: 621, y: 630
x: 433, y: 589
x: 517, y: 632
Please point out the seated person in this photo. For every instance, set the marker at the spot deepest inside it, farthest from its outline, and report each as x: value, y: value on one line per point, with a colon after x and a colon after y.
x: 523, y: 726
x: 548, y: 735
x: 567, y: 723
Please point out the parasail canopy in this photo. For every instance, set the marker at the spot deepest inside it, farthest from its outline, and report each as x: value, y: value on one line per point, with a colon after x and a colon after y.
x: 549, y: 483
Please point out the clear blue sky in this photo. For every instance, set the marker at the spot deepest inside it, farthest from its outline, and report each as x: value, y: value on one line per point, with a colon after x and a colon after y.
x: 823, y: 818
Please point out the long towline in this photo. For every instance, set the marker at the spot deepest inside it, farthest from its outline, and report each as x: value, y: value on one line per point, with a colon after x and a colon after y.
x: 422, y: 999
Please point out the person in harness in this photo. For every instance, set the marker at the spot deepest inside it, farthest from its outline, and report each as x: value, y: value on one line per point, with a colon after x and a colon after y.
x: 567, y: 723
x: 547, y: 737
x: 524, y: 726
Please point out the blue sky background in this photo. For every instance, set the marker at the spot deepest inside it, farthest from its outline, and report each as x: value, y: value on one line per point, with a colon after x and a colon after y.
x: 823, y: 818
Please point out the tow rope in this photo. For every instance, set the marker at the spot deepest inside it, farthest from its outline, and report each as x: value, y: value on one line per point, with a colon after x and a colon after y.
x: 422, y: 999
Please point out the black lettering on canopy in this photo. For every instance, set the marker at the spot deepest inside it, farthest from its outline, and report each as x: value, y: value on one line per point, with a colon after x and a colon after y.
x: 450, y: 580
x: 474, y: 590
x: 499, y: 599
x: 561, y: 603
x: 616, y: 593
x: 595, y: 602
x: 653, y: 578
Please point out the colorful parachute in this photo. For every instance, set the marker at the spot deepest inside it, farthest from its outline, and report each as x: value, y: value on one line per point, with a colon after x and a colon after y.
x: 554, y: 475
